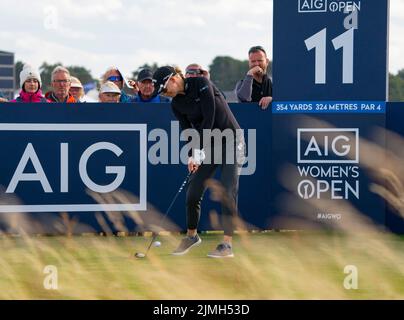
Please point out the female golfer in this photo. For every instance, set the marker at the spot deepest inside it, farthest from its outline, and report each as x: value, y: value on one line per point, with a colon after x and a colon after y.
x: 199, y: 105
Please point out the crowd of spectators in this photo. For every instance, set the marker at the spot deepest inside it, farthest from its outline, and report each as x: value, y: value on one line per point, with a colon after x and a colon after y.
x: 256, y: 86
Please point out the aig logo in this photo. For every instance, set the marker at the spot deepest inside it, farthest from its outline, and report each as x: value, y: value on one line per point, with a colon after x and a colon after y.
x: 312, y: 6
x: 327, y: 145
x: 52, y: 170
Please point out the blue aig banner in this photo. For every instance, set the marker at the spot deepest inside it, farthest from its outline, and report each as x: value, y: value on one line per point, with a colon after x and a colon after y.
x: 330, y: 50
x: 330, y: 90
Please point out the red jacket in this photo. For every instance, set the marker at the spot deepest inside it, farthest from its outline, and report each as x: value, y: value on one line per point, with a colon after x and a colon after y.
x: 51, y: 97
x: 30, y: 97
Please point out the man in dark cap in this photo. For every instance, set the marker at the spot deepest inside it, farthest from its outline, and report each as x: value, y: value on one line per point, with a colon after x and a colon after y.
x: 145, y: 86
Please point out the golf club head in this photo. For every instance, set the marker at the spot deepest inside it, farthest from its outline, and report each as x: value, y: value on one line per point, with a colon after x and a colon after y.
x: 140, y: 255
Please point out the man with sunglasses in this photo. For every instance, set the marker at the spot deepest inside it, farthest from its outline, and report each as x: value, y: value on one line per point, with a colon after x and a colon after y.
x: 195, y: 70
x: 256, y: 85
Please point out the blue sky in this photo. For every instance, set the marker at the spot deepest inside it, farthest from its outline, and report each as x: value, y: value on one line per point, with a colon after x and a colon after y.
x: 99, y: 34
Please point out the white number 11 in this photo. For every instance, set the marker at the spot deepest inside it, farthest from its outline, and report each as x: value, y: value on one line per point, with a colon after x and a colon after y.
x: 319, y: 43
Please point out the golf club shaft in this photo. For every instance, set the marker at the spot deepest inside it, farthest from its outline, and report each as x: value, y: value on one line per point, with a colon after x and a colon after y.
x: 169, y: 208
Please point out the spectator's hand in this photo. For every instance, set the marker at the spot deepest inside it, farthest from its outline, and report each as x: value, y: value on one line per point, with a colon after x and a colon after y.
x: 255, y: 71
x: 3, y: 100
x: 192, y: 165
x: 134, y: 86
x: 264, y: 102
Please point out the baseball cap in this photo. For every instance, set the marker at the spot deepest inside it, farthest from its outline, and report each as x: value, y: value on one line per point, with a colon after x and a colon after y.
x: 145, y: 74
x: 160, y: 77
x: 109, y: 87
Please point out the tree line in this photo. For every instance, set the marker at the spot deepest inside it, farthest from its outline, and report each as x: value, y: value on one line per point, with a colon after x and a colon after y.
x: 225, y: 71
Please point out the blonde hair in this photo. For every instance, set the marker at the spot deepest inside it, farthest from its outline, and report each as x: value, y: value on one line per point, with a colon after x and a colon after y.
x: 178, y: 71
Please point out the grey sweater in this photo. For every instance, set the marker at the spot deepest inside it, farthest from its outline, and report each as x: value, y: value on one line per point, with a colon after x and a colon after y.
x: 249, y: 90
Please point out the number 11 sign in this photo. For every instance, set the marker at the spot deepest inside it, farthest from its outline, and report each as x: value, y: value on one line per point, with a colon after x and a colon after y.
x: 330, y: 50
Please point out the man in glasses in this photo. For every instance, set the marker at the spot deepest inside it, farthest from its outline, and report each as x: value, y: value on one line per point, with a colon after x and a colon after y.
x: 146, y: 92
x: 195, y: 70
x: 114, y: 75
x: 61, y: 82
x: 256, y: 85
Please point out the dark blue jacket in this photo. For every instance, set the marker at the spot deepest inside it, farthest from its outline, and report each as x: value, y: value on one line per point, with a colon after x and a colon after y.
x: 155, y: 99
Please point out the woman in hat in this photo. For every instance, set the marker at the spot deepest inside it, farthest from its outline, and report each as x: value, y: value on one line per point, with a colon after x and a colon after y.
x: 76, y: 89
x: 30, y: 82
x: 197, y: 104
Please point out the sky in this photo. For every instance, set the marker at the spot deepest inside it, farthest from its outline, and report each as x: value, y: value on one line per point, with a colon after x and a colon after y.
x: 128, y: 33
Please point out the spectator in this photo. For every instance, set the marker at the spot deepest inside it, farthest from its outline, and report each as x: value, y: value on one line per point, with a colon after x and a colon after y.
x: 256, y: 86
x: 195, y: 70
x: 114, y: 75
x: 61, y: 82
x: 109, y: 93
x: 30, y: 83
x: 76, y: 89
x: 145, y: 87
x: 2, y: 99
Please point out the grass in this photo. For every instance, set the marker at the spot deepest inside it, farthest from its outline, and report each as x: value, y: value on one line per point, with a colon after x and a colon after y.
x: 271, y: 265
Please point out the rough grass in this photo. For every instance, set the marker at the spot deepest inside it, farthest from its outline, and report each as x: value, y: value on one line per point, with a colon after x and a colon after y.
x: 271, y: 265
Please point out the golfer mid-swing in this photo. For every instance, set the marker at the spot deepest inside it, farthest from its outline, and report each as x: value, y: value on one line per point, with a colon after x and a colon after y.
x: 199, y: 105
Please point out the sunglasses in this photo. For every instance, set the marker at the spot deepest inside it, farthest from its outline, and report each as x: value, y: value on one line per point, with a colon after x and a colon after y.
x: 194, y: 71
x: 115, y: 78
x: 163, y: 87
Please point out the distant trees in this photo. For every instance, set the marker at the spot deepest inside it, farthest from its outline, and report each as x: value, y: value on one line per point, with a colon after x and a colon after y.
x: 226, y: 71
x: 396, y: 86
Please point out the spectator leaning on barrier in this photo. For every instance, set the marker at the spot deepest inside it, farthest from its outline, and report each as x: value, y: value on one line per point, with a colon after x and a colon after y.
x: 61, y: 81
x: 114, y: 75
x: 76, y: 89
x: 256, y: 86
x: 30, y: 83
x: 145, y: 87
x: 109, y: 93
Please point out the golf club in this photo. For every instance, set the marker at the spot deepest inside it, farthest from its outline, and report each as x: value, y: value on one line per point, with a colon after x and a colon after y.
x: 143, y: 255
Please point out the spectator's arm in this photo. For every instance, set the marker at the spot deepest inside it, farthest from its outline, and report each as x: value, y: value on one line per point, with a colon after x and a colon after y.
x: 244, y: 89
x: 3, y: 100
